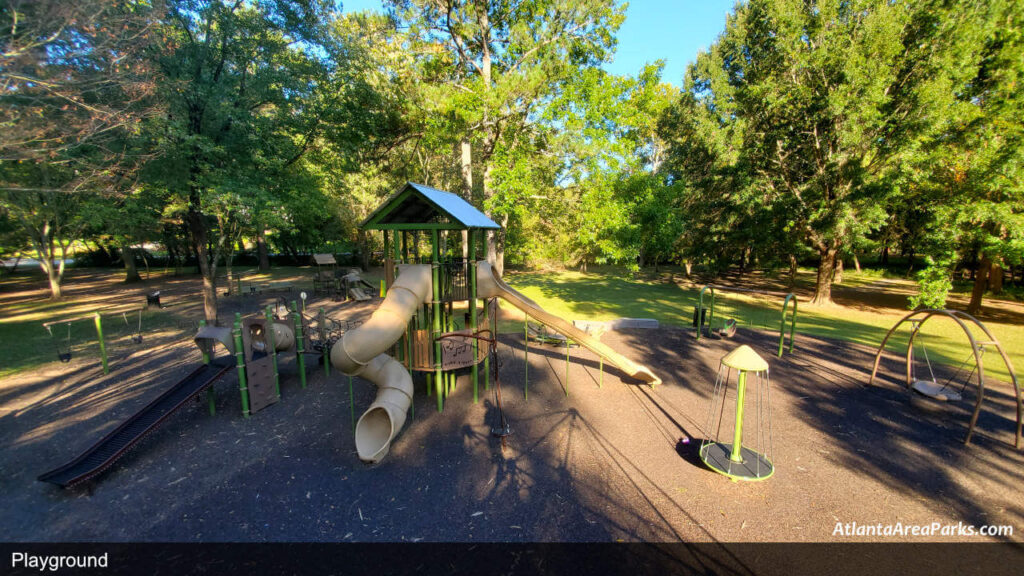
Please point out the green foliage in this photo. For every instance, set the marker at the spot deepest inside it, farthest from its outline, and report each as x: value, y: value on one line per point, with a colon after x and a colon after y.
x: 934, y: 284
x: 796, y: 129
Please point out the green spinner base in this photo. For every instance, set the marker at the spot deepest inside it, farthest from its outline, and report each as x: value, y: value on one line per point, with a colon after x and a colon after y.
x: 754, y: 466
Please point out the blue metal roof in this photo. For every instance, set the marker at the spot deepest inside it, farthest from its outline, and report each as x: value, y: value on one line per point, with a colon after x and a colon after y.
x: 426, y: 204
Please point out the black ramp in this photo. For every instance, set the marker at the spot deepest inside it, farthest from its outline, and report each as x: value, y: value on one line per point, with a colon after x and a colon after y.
x: 105, y: 452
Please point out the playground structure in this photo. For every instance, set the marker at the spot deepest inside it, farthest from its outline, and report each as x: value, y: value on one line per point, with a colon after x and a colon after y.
x: 415, y: 328
x: 728, y: 328
x: 254, y: 342
x: 931, y: 389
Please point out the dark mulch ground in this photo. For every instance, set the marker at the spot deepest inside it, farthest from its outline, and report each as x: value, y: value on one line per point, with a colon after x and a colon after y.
x: 598, y: 464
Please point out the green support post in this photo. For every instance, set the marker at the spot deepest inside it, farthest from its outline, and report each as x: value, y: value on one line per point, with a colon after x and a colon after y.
x: 383, y: 289
x: 323, y: 339
x: 526, y: 356
x: 206, y: 355
x: 792, y: 325
x: 700, y: 310
x: 387, y: 255
x: 408, y: 344
x: 300, y: 349
x: 103, y: 344
x: 351, y: 406
x: 424, y: 321
x: 471, y: 249
x: 243, y: 388
x: 737, y: 437
x: 493, y: 318
x: 567, y: 367
x: 272, y: 348
x: 210, y: 399
x: 449, y: 327
x: 435, y: 271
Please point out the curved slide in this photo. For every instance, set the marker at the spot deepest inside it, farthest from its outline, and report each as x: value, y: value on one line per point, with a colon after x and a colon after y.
x: 360, y: 353
x: 489, y: 285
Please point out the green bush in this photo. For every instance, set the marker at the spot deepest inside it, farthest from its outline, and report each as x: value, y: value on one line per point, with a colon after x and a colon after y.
x: 934, y: 284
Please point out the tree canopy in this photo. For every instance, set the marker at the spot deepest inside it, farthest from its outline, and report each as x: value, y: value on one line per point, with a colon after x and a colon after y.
x: 807, y: 132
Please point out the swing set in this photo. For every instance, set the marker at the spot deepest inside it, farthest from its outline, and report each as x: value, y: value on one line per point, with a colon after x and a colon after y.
x: 702, y: 317
x: 929, y: 386
x: 63, y: 346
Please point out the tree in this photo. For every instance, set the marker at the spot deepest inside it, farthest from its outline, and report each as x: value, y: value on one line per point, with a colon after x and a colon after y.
x: 490, y: 65
x: 73, y: 89
x: 48, y: 217
x: 970, y: 177
x: 805, y: 109
x: 240, y: 82
x: 73, y: 82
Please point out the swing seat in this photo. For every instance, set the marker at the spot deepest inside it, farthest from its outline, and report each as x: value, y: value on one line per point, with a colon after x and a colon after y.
x: 935, y: 391
x: 728, y: 330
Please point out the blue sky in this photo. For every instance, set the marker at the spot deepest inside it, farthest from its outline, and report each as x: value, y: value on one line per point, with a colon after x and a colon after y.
x: 670, y: 30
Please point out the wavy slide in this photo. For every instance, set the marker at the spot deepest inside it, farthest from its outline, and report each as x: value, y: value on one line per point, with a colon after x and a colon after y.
x: 360, y: 353
x: 489, y: 285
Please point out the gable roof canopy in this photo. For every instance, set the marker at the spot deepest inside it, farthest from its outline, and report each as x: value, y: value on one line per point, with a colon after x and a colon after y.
x: 419, y: 207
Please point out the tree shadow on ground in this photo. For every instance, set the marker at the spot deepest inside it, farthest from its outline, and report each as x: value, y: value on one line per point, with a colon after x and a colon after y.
x: 878, y: 433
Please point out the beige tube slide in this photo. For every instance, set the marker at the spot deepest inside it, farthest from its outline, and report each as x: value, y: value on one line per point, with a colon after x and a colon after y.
x: 490, y: 285
x: 360, y: 353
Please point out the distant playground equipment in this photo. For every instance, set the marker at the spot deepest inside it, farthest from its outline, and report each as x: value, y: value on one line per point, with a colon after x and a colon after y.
x: 928, y: 387
x: 416, y: 329
x: 237, y: 286
x: 329, y: 280
x: 324, y: 279
x: 62, y: 339
x: 735, y: 460
x: 255, y: 348
x: 703, y: 320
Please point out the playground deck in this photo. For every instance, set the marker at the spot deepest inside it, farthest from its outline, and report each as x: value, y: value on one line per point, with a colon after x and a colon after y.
x: 599, y: 464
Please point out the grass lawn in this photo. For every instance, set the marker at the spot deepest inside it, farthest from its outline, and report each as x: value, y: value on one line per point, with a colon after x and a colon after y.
x: 871, y: 306
x: 872, y: 301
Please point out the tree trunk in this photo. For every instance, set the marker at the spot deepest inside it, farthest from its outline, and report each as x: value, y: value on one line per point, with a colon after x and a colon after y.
x: 131, y: 273
x: 229, y: 257
x: 856, y: 263
x: 261, y: 248
x: 496, y: 239
x: 42, y: 241
x: 467, y: 186
x: 364, y: 250
x: 496, y: 246
x: 792, y: 271
x: 826, y: 269
x: 197, y: 229
x: 54, y: 278
x: 885, y: 255
x: 980, y: 284
x: 688, y: 265
x: 995, y: 280
x: 838, y: 278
